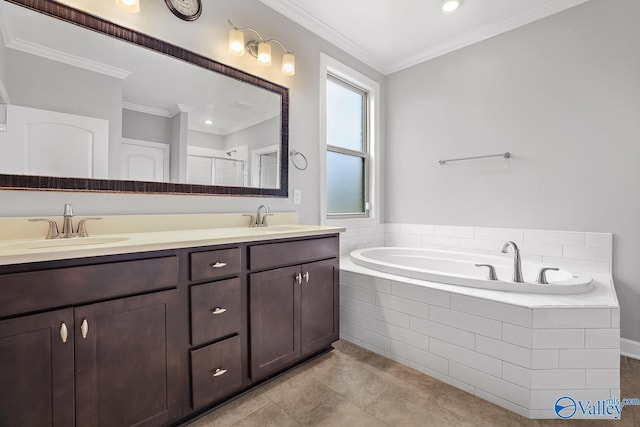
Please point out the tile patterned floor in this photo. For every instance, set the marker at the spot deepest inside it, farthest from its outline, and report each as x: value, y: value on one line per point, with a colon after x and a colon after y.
x: 354, y: 387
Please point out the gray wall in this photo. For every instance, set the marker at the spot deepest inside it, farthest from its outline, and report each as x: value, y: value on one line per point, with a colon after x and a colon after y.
x: 206, y: 140
x: 209, y: 36
x: 146, y: 127
x: 562, y: 95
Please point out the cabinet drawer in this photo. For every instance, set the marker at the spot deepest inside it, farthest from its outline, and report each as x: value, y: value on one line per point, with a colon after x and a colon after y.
x: 212, y: 264
x: 38, y: 290
x: 216, y: 310
x: 296, y: 252
x: 216, y: 371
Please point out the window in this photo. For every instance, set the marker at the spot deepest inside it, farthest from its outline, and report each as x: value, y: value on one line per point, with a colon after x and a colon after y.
x: 347, y: 149
x: 349, y: 128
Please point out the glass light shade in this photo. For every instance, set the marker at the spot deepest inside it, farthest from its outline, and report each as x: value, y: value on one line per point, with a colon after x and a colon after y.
x: 236, y: 42
x: 264, y: 54
x: 450, y: 5
x: 132, y: 6
x: 288, y: 64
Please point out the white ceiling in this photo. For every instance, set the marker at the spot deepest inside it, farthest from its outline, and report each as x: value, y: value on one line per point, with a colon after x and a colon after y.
x: 390, y: 35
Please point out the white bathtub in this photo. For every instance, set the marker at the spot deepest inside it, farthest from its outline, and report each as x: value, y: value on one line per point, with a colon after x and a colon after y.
x: 458, y: 268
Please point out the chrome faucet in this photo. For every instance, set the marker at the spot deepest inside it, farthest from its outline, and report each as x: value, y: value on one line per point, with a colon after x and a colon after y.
x: 260, y: 219
x: 67, y: 225
x: 517, y: 264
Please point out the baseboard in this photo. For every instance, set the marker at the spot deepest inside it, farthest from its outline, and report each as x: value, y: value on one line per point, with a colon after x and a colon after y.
x: 630, y: 348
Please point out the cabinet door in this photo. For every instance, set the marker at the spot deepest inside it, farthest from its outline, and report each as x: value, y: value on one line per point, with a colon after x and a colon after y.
x: 274, y: 307
x: 127, y: 361
x: 36, y: 370
x: 319, y: 305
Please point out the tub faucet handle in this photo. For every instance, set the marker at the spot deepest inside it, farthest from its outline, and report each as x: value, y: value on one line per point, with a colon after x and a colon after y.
x: 492, y: 271
x: 542, y: 275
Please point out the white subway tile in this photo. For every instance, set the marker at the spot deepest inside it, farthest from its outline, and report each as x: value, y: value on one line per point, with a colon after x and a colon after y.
x: 504, y: 351
x: 516, y: 374
x: 402, y: 238
x: 444, y: 378
x: 545, y: 399
x: 351, y: 304
x: 403, y: 305
x: 615, y: 318
x: 557, y: 379
x: 356, y: 319
x: 369, y: 337
x: 436, y: 241
x: 421, y: 357
x: 562, y: 318
x: 442, y: 332
x: 555, y: 237
x: 587, y: 254
x: 392, y: 227
x: 541, y: 250
x: 502, y: 402
x: 578, y: 266
x: 402, y: 335
x: 557, y: 338
x: 386, y: 315
x: 421, y: 229
x: 421, y: 294
x: 602, y: 338
x: 496, y: 386
x: 603, y: 378
x: 517, y: 335
x: 545, y: 359
x: 493, y: 310
x: 486, y: 245
x: 590, y: 358
x: 358, y: 293
x: 376, y: 229
x: 454, y: 231
x: 481, y: 362
x: 468, y: 322
x: 365, y: 281
x: 600, y: 240
x: 500, y: 234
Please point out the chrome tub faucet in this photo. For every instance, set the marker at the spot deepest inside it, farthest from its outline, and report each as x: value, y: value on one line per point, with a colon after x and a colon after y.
x: 517, y: 263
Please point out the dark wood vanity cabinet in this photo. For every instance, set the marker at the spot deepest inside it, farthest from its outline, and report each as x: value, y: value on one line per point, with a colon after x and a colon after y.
x: 293, y: 311
x: 151, y: 339
x: 109, y: 363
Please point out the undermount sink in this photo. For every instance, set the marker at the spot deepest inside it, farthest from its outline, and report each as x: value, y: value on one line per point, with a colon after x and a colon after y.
x: 63, y: 243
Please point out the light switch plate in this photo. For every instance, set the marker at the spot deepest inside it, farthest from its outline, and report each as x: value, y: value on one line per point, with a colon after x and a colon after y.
x: 297, y: 197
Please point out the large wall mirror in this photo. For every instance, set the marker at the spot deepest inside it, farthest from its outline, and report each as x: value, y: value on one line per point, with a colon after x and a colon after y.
x: 87, y: 105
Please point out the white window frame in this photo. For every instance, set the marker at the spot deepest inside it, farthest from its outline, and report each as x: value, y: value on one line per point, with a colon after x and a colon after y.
x: 330, y: 66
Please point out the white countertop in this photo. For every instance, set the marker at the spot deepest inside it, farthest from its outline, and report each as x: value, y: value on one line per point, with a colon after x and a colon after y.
x: 20, y: 251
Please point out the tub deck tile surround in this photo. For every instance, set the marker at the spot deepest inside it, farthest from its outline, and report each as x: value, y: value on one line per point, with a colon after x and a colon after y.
x: 519, y: 351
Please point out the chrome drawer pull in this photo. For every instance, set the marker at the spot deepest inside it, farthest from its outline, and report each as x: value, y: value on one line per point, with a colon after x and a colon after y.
x: 219, y: 372
x: 306, y: 277
x: 299, y: 278
x: 219, y: 264
x: 219, y: 310
x: 64, y: 333
x: 84, y: 328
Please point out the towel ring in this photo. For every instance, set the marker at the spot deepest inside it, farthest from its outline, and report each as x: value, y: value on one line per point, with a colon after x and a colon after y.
x: 294, y: 154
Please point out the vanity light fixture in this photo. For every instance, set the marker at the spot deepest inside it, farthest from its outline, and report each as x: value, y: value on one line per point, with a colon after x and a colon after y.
x: 132, y: 6
x: 449, y: 6
x: 259, y: 49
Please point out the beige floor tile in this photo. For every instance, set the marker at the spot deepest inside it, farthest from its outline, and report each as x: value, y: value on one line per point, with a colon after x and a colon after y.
x: 270, y: 415
x: 354, y: 387
x: 339, y: 412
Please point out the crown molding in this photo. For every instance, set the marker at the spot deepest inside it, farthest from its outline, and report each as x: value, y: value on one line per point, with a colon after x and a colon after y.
x: 298, y: 15
x: 324, y: 31
x: 146, y: 109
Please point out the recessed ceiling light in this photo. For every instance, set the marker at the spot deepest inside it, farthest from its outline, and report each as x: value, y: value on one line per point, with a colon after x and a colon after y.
x: 450, y: 5
x: 208, y: 122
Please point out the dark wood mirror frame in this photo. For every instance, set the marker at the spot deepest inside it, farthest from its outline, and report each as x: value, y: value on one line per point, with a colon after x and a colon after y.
x: 91, y: 22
